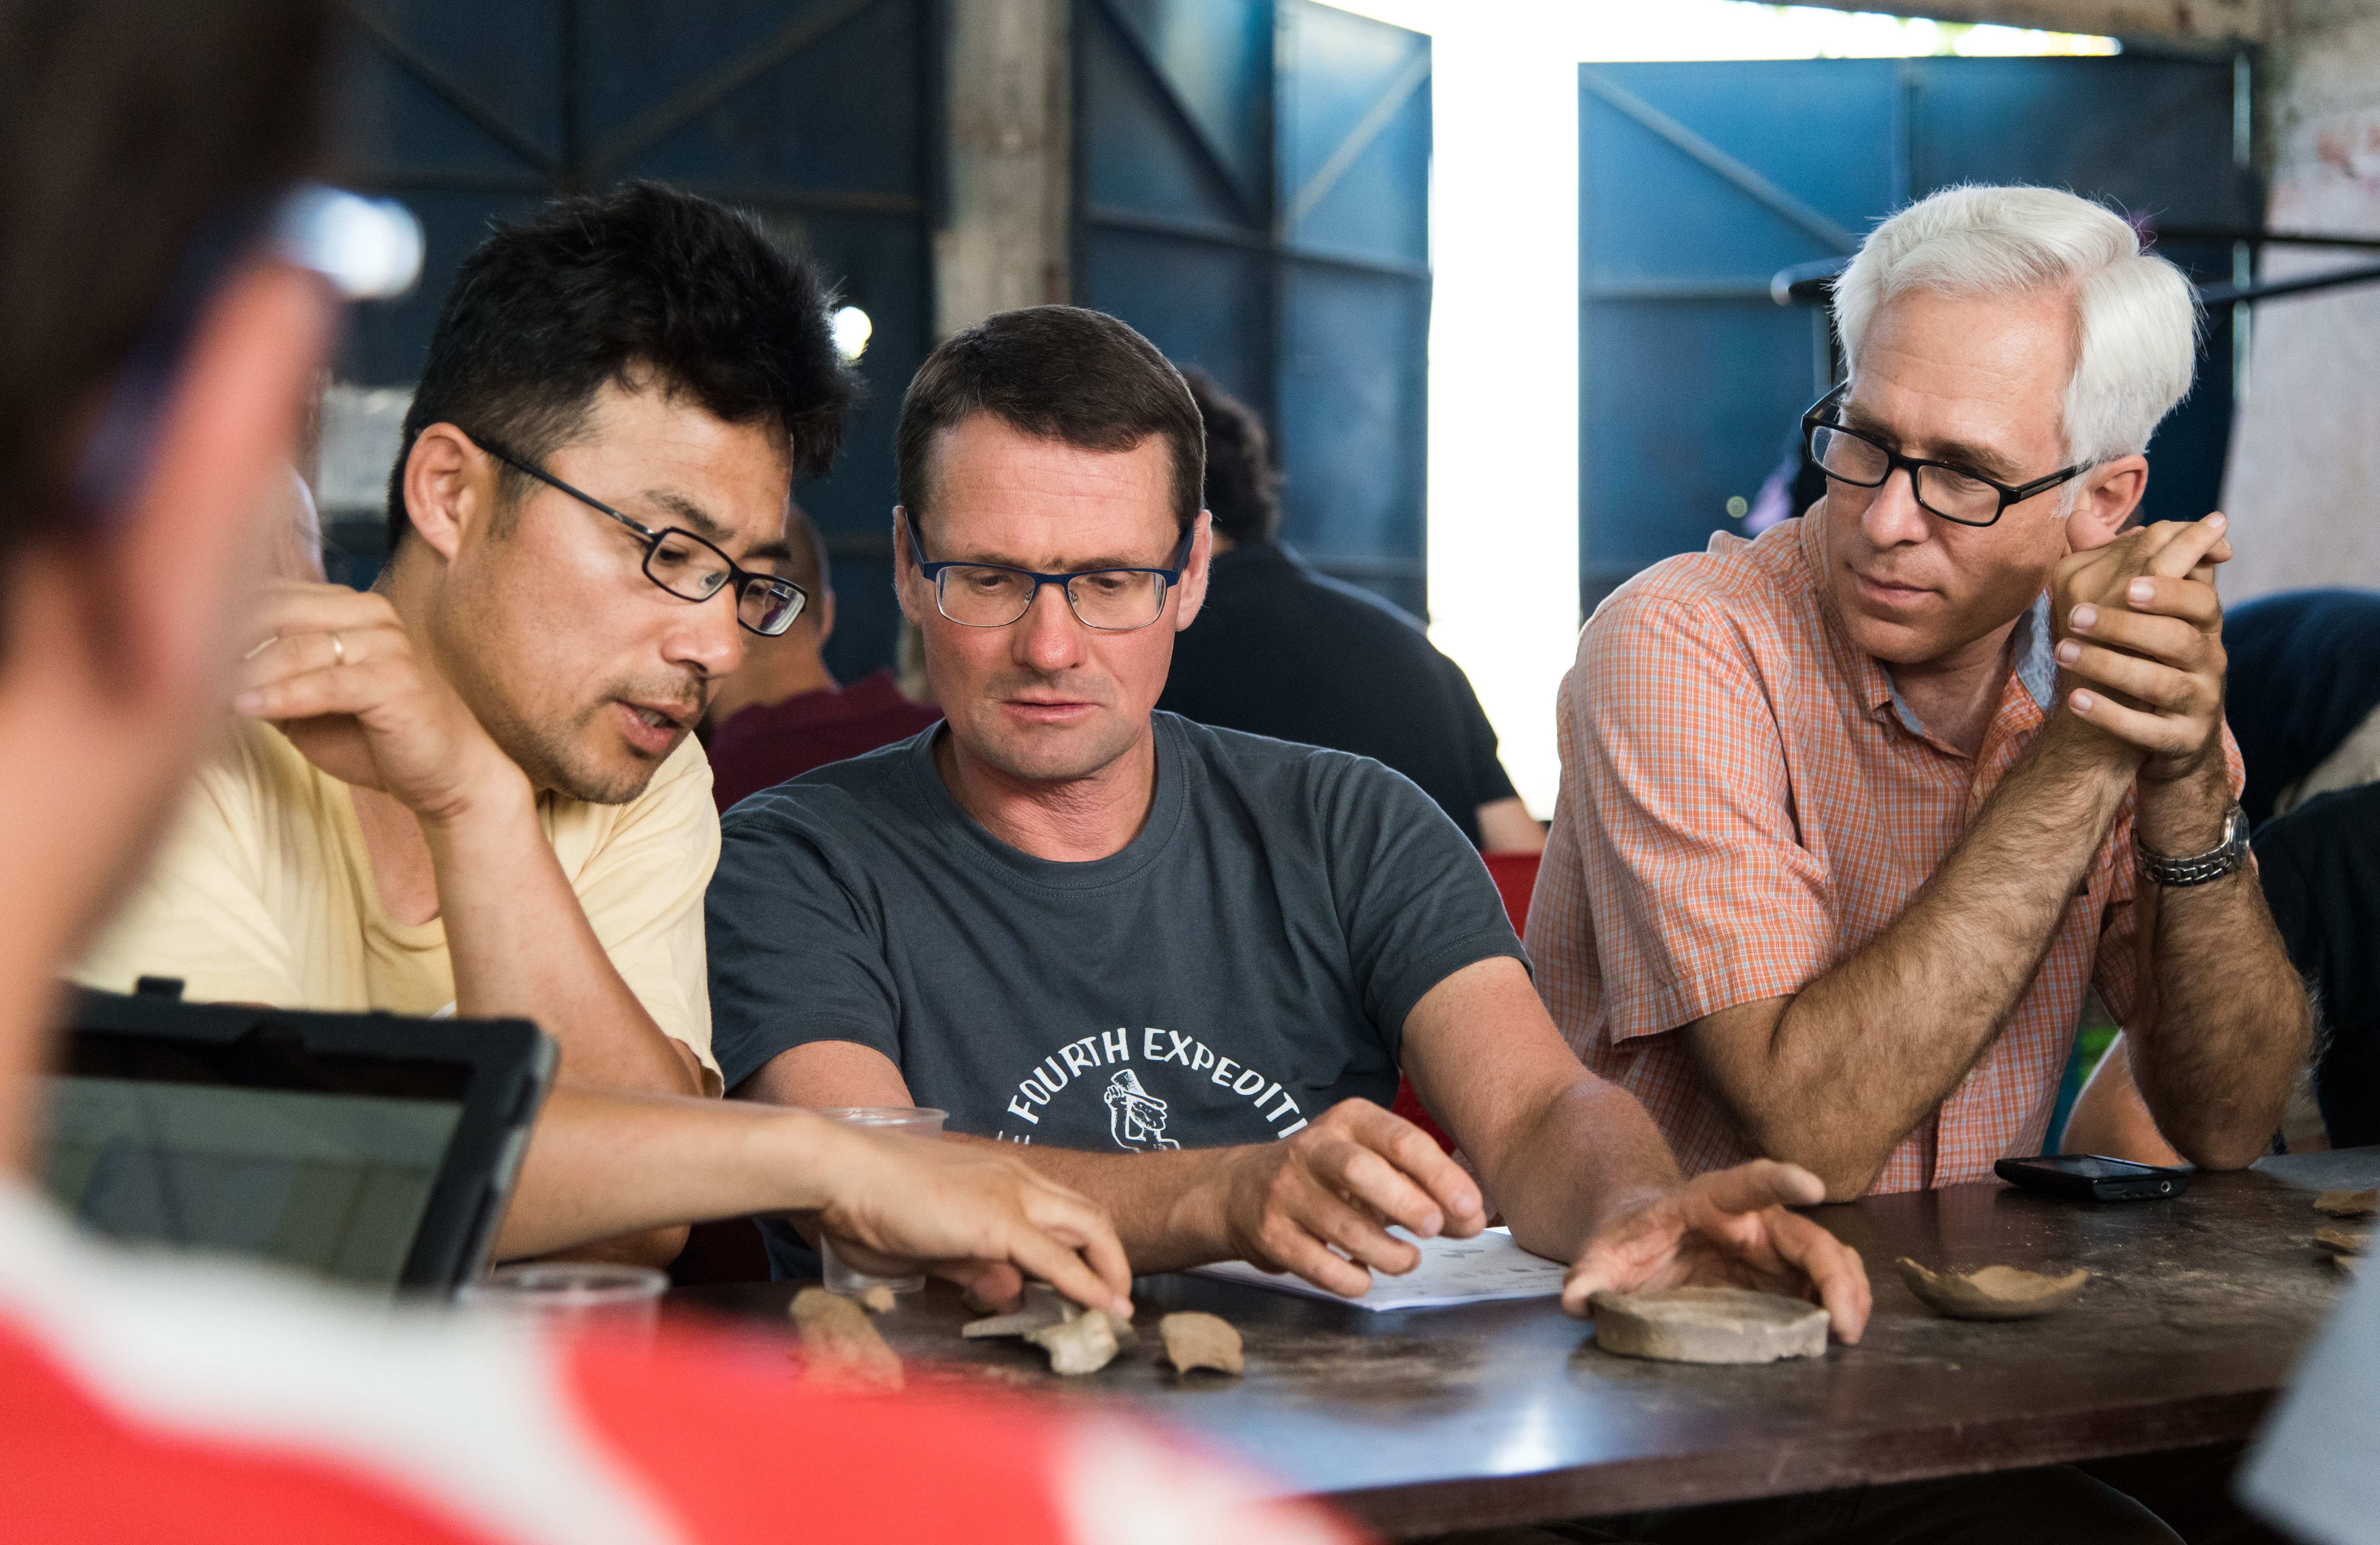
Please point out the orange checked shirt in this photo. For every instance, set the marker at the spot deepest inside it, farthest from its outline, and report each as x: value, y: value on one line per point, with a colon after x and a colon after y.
x: 1746, y: 801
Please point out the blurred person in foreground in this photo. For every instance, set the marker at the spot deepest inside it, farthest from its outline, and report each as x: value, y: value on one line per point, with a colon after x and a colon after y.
x: 1852, y: 815
x: 157, y: 349
x: 783, y: 712
x: 1283, y: 651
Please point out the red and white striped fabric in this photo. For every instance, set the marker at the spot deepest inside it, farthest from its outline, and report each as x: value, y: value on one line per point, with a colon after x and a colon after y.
x: 144, y: 1397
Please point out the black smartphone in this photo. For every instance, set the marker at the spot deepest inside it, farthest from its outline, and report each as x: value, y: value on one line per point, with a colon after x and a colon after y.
x: 2092, y: 1178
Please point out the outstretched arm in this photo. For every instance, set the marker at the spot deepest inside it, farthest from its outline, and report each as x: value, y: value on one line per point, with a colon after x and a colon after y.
x: 602, y: 1164
x: 1278, y: 1205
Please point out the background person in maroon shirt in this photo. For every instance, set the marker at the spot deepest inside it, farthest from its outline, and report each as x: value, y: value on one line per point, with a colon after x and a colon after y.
x: 783, y: 712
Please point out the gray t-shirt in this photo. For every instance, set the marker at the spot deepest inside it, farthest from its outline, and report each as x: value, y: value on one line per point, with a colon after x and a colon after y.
x: 1245, y: 962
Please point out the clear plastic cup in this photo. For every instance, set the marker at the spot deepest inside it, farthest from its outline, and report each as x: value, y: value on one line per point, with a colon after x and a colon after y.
x: 912, y: 1120
x: 570, y: 1297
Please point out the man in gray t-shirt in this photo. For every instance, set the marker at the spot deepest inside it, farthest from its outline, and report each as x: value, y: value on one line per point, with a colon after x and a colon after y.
x: 1242, y: 964
x: 1178, y: 969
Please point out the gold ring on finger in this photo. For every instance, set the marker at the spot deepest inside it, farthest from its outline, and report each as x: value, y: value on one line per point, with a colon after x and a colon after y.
x: 338, y: 652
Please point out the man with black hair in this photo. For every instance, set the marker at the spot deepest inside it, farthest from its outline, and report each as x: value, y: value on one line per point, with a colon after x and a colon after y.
x: 159, y: 340
x: 1179, y: 967
x: 1283, y: 651
x: 473, y: 789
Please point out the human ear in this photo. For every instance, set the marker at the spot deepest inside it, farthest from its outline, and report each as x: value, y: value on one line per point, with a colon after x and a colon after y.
x: 1194, y: 572
x: 906, y: 578
x: 449, y: 483
x: 824, y: 609
x: 2111, y: 493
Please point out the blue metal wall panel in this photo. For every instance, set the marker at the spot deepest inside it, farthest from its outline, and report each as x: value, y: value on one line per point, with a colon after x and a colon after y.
x: 820, y: 117
x: 1253, y: 194
x: 1698, y: 181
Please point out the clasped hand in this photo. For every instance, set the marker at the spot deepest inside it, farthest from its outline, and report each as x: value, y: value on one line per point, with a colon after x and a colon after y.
x: 2141, y: 630
x: 336, y: 670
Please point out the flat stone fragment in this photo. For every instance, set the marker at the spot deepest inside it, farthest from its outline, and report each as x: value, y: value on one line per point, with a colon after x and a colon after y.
x: 2347, y: 1266
x: 2341, y: 1242
x: 877, y: 1299
x: 840, y: 1346
x: 1994, y: 1292
x: 2348, y: 1204
x: 1041, y: 1309
x: 1194, y: 1340
x: 1083, y: 1344
x: 1707, y: 1325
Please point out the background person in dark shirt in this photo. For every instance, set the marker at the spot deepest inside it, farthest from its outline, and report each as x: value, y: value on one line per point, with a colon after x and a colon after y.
x: 1285, y: 651
x: 783, y: 712
x: 2320, y: 865
x: 2304, y: 694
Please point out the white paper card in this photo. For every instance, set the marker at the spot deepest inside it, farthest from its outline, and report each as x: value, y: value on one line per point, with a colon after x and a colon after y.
x: 1473, y: 1270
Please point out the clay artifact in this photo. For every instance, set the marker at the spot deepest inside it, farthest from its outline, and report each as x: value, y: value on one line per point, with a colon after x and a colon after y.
x: 1994, y: 1292
x: 2348, y: 1204
x: 876, y: 1298
x: 840, y: 1347
x: 1707, y: 1325
x: 1194, y: 1340
x: 2341, y: 1242
x: 1085, y: 1344
x: 1041, y: 1309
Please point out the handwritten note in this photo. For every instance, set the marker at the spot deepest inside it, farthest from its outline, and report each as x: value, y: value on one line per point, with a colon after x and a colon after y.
x: 1473, y: 1270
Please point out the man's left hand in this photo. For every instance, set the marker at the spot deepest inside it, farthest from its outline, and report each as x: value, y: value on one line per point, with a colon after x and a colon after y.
x: 2145, y: 642
x: 1728, y: 1229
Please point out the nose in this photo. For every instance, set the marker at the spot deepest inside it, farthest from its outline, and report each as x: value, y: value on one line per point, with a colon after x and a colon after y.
x: 1893, y: 517
x: 1048, y: 636
x: 704, y: 635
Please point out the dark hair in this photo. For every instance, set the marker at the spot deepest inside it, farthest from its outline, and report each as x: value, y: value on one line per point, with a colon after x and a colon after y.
x: 598, y: 289
x: 1056, y: 372
x: 137, y: 138
x: 1243, y: 490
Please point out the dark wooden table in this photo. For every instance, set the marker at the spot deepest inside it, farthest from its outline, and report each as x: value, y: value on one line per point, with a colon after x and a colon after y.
x: 1421, y: 1421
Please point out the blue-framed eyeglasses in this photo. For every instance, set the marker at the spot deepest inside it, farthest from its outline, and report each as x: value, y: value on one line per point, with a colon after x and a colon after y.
x: 993, y: 595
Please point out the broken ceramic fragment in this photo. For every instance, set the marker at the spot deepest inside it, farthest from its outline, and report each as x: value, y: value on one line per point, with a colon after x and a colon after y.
x: 840, y: 1347
x: 2341, y: 1242
x: 1084, y: 1344
x: 1194, y: 1340
x: 876, y: 1298
x: 1707, y: 1325
x: 1041, y: 1308
x: 1993, y: 1293
x: 2348, y: 1204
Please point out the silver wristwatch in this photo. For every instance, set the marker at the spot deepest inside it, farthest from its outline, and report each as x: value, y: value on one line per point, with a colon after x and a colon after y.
x: 2227, y: 856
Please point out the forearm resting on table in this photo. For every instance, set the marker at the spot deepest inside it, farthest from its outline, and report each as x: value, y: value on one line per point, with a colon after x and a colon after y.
x: 2223, y: 1026
x: 602, y: 1164
x: 1591, y: 1150
x: 1833, y: 1077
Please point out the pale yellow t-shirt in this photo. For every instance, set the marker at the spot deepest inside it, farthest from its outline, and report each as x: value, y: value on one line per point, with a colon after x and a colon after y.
x: 264, y: 893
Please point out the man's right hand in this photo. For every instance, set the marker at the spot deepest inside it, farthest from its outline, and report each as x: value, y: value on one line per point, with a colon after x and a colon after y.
x: 1340, y: 1183
x: 337, y: 671
x: 965, y: 1211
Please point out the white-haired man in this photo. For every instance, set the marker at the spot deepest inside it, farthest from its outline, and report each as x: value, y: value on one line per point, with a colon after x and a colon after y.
x: 1854, y: 814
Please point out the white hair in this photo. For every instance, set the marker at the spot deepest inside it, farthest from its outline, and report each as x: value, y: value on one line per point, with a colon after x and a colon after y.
x: 2136, y: 314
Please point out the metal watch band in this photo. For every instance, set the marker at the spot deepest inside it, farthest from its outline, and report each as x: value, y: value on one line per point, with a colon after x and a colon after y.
x: 2227, y: 856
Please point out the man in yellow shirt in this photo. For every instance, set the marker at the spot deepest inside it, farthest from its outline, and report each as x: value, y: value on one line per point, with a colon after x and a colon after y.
x: 473, y: 789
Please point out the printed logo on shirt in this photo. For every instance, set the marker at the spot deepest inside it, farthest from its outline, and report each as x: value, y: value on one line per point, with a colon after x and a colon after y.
x: 1137, y: 1108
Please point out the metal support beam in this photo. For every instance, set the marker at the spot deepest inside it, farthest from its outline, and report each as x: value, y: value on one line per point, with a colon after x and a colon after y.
x: 2207, y: 21
x: 1003, y: 239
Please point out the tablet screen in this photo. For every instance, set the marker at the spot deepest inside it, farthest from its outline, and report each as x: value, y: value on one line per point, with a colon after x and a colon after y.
x: 332, y: 1184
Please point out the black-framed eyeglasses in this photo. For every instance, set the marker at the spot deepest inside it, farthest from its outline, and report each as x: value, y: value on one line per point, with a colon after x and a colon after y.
x: 1959, y: 494
x: 686, y: 565
x: 993, y: 595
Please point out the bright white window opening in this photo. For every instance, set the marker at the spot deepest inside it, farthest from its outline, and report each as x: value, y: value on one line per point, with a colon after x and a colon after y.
x: 1503, y: 340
